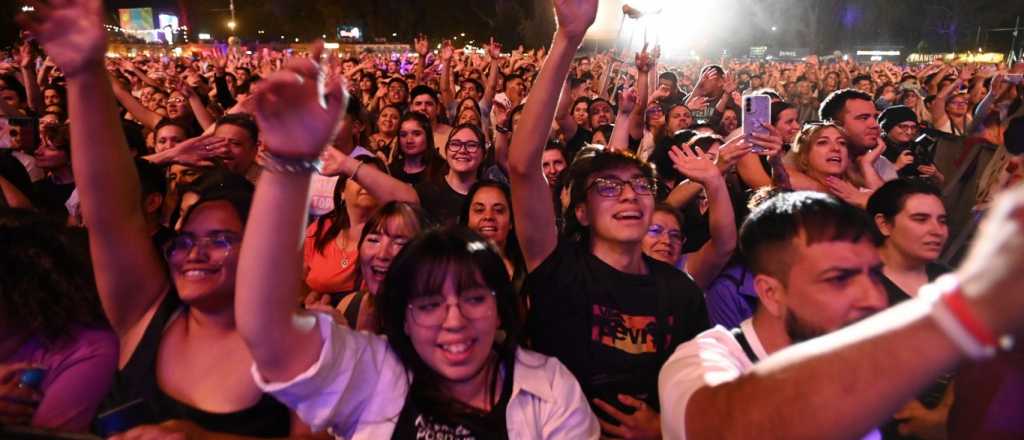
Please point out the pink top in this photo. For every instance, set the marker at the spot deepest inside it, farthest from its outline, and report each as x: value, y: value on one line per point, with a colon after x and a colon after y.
x: 79, y: 372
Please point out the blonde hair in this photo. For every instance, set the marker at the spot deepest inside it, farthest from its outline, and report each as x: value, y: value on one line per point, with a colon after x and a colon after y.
x: 801, y: 152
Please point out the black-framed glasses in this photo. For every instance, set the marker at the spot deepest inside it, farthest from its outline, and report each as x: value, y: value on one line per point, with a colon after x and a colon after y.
x: 217, y: 246
x: 469, y: 146
x: 656, y: 231
x: 431, y: 311
x: 909, y: 126
x: 612, y: 187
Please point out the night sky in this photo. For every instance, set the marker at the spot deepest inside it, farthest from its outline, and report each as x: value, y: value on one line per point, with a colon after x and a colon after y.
x: 820, y: 25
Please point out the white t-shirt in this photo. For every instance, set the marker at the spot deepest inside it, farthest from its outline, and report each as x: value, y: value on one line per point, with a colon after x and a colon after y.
x: 713, y: 357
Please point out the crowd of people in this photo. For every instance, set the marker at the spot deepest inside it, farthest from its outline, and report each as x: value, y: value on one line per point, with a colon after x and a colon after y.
x: 453, y: 244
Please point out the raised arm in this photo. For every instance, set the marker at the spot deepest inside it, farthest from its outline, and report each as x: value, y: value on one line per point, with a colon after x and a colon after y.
x: 130, y: 274
x: 906, y: 342
x: 296, y: 127
x: 447, y: 92
x: 196, y: 104
x: 494, y: 55
x: 28, y: 74
x: 535, y: 218
x: 645, y: 63
x: 379, y: 184
x: 145, y: 116
x: 563, y: 113
x: 709, y: 260
x: 620, y: 134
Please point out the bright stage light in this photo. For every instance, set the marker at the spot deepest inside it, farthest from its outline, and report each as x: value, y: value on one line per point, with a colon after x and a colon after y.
x: 678, y: 26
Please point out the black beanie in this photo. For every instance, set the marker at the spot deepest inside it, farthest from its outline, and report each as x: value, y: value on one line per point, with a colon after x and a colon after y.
x: 896, y: 115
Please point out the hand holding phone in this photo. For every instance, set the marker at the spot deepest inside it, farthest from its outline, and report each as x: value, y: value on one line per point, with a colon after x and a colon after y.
x: 756, y: 118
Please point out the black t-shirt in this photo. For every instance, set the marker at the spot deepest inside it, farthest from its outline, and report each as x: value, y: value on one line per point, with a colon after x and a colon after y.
x: 51, y: 196
x: 606, y: 325
x: 397, y: 170
x: 896, y: 295
x: 440, y: 201
x: 574, y: 144
x: 414, y: 424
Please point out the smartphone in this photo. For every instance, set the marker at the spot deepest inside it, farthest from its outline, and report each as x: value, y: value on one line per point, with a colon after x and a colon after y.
x: 757, y: 113
x: 1015, y: 78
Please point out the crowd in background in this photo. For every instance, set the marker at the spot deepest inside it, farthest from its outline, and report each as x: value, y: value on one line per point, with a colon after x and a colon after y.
x: 528, y: 243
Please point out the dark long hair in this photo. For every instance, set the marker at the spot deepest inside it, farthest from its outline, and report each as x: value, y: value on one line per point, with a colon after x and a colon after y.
x: 422, y: 268
x: 512, y: 250
x: 323, y: 234
x: 46, y: 282
x: 433, y: 162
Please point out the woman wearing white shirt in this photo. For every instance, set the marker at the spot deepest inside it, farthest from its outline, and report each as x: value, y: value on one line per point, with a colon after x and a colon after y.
x: 449, y: 364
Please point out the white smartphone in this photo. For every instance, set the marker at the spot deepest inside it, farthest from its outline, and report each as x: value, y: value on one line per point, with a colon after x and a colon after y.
x: 757, y: 113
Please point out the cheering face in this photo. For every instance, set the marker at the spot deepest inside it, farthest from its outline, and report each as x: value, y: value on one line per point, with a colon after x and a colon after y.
x: 664, y: 239
x: 49, y: 157
x: 860, y: 120
x: 241, y: 147
x: 177, y: 105
x: 919, y: 231
x: 387, y: 122
x: 379, y: 248
x: 553, y: 163
x: 788, y: 125
x: 51, y: 97
x: 490, y: 216
x: 397, y: 93
x: 831, y: 284
x: 679, y: 118
x: 465, y: 152
x: 828, y: 155
x: 412, y: 138
x: 204, y: 259
x: 581, y: 115
x: 168, y: 136
x: 618, y: 206
x: 730, y: 121
x: 425, y: 104
x: 601, y: 114
x: 453, y: 330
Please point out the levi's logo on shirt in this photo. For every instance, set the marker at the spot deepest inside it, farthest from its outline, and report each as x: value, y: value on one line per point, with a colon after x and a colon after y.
x: 628, y: 333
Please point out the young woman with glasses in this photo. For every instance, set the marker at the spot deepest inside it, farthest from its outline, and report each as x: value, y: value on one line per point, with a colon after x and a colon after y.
x: 182, y: 362
x: 443, y: 196
x: 449, y: 364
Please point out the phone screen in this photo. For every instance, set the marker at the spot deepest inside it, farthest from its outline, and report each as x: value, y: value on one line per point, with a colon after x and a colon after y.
x: 756, y: 115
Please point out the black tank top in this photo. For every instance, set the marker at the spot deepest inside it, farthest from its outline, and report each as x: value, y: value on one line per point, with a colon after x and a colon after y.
x: 137, y: 380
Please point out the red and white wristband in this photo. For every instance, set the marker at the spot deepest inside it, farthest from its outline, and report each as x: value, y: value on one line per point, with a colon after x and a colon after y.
x: 958, y: 321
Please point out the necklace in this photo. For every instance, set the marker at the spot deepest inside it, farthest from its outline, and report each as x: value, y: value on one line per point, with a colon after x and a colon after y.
x: 345, y: 260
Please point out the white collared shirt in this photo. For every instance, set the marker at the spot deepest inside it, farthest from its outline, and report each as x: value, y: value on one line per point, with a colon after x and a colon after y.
x: 358, y: 387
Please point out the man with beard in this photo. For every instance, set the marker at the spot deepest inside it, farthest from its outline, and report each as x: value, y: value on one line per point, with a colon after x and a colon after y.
x: 815, y: 270
x: 855, y: 111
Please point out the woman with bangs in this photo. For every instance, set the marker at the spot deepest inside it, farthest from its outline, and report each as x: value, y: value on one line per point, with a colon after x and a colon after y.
x: 449, y: 363
x: 386, y: 232
x: 330, y: 249
x: 820, y: 161
x: 597, y: 303
x: 182, y: 363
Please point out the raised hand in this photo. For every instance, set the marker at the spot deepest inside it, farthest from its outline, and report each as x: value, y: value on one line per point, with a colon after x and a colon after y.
x: 644, y: 61
x: 627, y: 100
x: 447, y: 50
x: 199, y: 151
x: 731, y: 153
x: 71, y: 32
x: 493, y: 49
x: 297, y: 110
x: 26, y: 55
x: 575, y: 16
x: 695, y: 165
x: 421, y: 44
